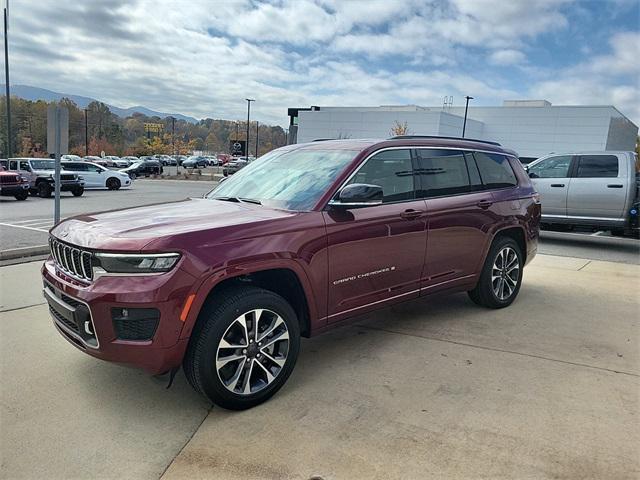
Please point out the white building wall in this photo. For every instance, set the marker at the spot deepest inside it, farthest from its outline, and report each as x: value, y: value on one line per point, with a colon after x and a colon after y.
x: 354, y: 123
x: 532, y: 131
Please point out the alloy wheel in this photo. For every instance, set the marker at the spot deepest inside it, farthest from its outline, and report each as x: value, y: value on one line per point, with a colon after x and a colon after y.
x: 252, y: 351
x: 505, y: 273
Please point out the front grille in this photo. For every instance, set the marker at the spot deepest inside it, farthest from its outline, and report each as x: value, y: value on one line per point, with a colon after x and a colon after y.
x: 67, y: 176
x: 71, y: 260
x: 9, y: 179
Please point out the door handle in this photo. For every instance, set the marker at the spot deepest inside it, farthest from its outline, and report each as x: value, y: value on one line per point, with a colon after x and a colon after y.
x: 411, y: 214
x: 614, y: 185
x: 560, y: 185
x: 484, y: 203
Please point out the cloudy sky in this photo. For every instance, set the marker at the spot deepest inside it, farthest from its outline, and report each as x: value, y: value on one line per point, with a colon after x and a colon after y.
x: 202, y: 58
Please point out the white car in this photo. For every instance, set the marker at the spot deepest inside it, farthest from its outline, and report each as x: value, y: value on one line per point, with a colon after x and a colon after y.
x: 97, y: 176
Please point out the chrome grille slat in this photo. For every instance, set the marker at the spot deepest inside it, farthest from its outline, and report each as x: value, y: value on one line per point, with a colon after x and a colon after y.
x: 71, y: 260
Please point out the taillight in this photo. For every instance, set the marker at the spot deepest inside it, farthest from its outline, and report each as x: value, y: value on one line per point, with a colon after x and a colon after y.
x: 536, y: 198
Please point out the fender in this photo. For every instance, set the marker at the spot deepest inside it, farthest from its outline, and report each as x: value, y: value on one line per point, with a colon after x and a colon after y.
x: 208, y: 283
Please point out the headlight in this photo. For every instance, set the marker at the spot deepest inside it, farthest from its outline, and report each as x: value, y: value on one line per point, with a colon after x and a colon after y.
x: 136, y: 263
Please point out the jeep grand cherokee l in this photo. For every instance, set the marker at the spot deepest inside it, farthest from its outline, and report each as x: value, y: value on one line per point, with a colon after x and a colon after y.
x: 296, y: 243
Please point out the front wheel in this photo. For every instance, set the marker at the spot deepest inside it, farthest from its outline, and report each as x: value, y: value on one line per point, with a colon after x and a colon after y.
x: 22, y: 195
x: 113, y: 183
x: 501, y: 276
x: 78, y: 191
x: 243, y: 348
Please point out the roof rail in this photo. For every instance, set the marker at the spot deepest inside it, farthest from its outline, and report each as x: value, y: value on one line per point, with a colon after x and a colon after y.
x: 408, y: 137
x: 322, y: 139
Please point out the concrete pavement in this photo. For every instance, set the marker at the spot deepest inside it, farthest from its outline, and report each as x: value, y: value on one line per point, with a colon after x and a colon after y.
x: 547, y: 388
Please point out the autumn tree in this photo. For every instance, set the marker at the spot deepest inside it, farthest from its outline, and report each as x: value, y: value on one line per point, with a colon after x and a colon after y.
x: 399, y: 129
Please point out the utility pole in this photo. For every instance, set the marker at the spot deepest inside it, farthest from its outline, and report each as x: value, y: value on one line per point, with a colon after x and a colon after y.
x: 6, y: 77
x: 257, y: 136
x: 466, y: 108
x: 237, y: 129
x: 86, y: 134
x: 249, y: 100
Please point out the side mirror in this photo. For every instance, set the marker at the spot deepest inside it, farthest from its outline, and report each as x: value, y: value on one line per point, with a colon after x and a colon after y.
x: 358, y: 195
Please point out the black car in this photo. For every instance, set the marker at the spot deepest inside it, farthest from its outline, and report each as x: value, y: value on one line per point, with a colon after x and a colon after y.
x: 143, y: 169
x: 195, y: 161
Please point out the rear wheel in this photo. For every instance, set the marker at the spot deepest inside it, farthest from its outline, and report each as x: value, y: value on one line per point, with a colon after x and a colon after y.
x: 78, y: 191
x: 243, y: 348
x: 501, y: 275
x: 44, y: 190
x: 113, y: 183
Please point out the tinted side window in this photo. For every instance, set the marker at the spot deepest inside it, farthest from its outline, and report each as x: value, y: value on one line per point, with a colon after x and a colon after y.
x: 495, y: 170
x: 75, y: 167
x: 474, y: 173
x: 442, y: 172
x: 393, y: 171
x: 552, y: 167
x: 597, y: 166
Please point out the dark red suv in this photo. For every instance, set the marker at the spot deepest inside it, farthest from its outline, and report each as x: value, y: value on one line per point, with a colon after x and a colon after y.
x: 294, y: 244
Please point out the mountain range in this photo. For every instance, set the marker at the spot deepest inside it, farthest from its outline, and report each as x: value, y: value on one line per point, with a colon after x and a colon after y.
x: 28, y: 92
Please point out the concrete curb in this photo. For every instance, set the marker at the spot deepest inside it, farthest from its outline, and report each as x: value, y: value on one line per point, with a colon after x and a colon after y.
x: 14, y: 253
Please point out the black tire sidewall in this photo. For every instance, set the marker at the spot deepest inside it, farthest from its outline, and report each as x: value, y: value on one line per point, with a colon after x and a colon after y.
x: 77, y: 192
x: 208, y: 380
x: 44, y: 190
x: 113, y: 183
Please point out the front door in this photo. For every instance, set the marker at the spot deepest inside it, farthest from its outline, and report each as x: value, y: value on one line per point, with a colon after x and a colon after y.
x: 550, y: 177
x: 376, y: 254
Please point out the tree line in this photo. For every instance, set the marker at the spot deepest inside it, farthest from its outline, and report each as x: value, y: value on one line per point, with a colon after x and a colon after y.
x: 137, y: 134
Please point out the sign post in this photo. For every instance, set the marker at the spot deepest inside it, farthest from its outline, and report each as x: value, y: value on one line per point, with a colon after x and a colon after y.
x: 57, y: 143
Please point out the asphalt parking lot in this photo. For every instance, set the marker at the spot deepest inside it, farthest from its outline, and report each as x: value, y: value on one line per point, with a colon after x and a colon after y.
x: 25, y: 224
x: 547, y: 388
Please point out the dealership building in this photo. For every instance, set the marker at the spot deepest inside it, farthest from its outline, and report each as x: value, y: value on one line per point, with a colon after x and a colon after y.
x: 532, y: 128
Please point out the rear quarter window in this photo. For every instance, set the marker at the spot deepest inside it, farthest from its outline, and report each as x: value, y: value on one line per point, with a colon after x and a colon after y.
x: 495, y: 170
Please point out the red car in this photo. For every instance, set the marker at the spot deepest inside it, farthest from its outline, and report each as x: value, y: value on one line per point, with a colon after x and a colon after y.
x: 12, y: 184
x: 298, y: 242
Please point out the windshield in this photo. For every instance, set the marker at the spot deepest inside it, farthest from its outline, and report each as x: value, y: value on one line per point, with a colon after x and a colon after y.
x: 288, y: 179
x: 134, y: 165
x: 43, y: 164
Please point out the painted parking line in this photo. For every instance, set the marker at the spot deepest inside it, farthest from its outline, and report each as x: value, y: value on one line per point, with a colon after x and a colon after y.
x: 21, y: 222
x: 35, y: 229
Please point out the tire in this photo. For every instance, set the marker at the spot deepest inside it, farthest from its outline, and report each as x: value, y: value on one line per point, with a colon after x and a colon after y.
x: 44, y: 190
x: 78, y: 191
x: 22, y: 195
x: 113, y: 183
x: 223, y: 319
x: 487, y: 292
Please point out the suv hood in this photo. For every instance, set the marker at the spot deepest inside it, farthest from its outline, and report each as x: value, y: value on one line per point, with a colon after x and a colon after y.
x: 134, y: 228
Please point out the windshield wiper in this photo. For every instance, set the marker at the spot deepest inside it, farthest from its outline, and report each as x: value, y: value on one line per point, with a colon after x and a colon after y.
x: 238, y: 200
x: 251, y: 200
x: 227, y: 199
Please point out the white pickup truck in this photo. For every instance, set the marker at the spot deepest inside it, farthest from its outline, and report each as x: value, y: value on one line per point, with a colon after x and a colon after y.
x: 592, y: 189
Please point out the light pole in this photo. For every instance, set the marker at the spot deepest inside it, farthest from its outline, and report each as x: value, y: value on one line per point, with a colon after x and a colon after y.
x: 6, y: 77
x: 466, y: 108
x: 173, y: 135
x: 249, y: 100
x: 86, y: 134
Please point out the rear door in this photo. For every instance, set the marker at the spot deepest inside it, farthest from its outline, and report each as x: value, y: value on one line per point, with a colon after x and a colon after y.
x: 550, y: 177
x: 459, y: 213
x: 598, y: 187
x: 376, y: 253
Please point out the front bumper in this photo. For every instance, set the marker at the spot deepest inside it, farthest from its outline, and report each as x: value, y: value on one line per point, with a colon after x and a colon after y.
x: 11, y: 190
x: 84, y: 315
